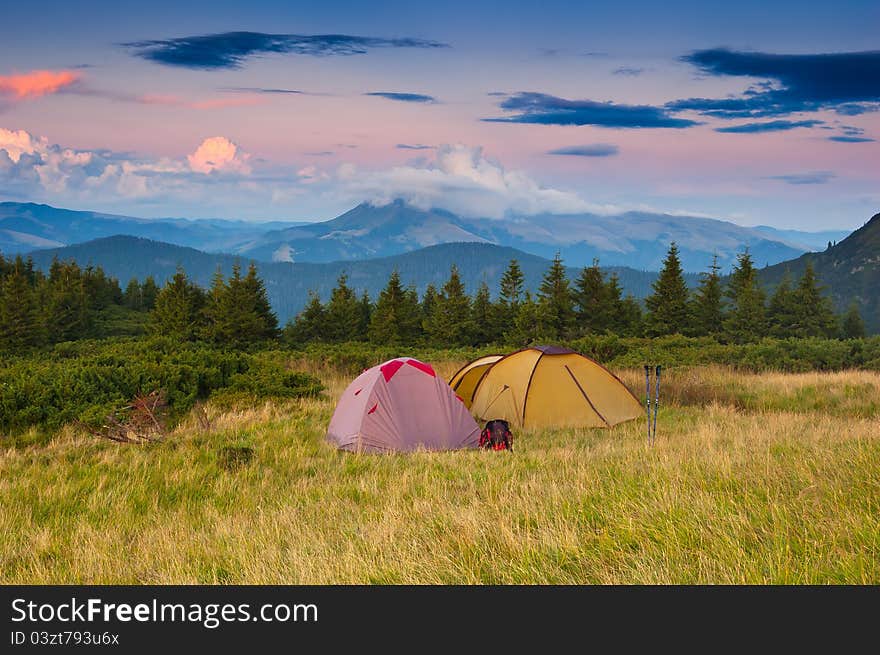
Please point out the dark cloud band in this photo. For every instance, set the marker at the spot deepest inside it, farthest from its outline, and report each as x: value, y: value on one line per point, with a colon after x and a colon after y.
x: 232, y: 49
x: 403, y: 97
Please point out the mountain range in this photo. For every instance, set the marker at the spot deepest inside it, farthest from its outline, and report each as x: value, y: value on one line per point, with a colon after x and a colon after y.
x: 288, y: 284
x: 633, y: 239
x: 849, y: 269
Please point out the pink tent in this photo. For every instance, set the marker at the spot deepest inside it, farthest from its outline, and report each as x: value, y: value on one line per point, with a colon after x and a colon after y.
x: 401, y: 405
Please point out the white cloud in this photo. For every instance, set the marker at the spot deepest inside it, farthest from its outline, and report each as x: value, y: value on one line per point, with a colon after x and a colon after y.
x: 462, y: 180
x: 217, y: 153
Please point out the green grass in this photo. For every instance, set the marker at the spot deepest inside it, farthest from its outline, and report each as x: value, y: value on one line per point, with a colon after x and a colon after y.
x: 766, y: 478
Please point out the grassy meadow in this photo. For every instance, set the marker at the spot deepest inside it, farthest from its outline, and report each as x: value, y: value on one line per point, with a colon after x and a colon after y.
x: 754, y: 478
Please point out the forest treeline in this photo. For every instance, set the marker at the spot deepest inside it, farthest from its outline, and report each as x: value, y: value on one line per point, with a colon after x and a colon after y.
x: 67, y: 303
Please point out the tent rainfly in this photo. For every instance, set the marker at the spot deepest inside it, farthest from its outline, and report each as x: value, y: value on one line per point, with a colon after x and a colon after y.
x: 545, y: 386
x: 401, y: 405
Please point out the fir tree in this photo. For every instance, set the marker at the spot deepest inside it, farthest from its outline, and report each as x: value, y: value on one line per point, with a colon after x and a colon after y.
x: 707, y: 304
x: 389, y: 311
x: 853, y: 327
x: 782, y: 310
x: 526, y: 327
x: 309, y: 325
x: 429, y: 305
x: 511, y: 291
x: 68, y: 311
x: 20, y: 324
x: 450, y: 324
x: 629, y: 320
x: 255, y: 290
x: 178, y: 310
x: 365, y: 311
x: 149, y: 292
x: 555, y: 306
x: 746, y: 320
x: 133, y: 297
x: 814, y: 312
x: 343, y: 312
x: 668, y: 304
x: 484, y: 318
x: 594, y: 302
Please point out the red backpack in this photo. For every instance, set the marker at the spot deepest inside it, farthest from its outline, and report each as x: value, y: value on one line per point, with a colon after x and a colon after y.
x: 496, y: 435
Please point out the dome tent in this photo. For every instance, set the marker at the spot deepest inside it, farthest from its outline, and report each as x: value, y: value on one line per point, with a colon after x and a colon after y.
x: 548, y: 386
x: 465, y: 381
x: 401, y: 405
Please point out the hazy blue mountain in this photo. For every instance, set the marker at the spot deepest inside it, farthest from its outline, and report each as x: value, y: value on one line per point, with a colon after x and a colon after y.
x: 809, y: 241
x: 27, y: 226
x: 850, y: 270
x: 288, y: 284
x: 635, y: 239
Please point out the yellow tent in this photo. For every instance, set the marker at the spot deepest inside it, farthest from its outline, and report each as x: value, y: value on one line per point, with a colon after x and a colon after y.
x: 545, y: 386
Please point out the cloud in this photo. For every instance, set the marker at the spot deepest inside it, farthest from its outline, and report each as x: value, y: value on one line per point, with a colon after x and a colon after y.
x: 846, y: 82
x: 544, y: 109
x: 413, y: 146
x: 769, y: 126
x: 258, y: 89
x: 403, y: 97
x: 232, y: 49
x: 218, y: 153
x: 37, y: 83
x: 850, y: 139
x: 463, y: 180
x: 628, y: 71
x: 591, y: 150
x: 816, y: 177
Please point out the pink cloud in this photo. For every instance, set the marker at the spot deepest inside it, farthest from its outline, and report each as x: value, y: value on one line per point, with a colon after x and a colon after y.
x: 37, y: 83
x: 217, y: 153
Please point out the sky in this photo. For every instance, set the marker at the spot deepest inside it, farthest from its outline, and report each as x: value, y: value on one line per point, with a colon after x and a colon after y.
x: 753, y: 112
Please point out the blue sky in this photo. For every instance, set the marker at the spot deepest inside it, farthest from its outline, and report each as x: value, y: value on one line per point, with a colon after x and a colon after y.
x: 760, y: 113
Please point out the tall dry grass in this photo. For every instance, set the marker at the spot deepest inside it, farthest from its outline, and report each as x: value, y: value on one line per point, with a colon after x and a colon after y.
x: 781, y: 490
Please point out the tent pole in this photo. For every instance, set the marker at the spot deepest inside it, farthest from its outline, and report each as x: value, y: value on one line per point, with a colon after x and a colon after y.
x: 648, y: 399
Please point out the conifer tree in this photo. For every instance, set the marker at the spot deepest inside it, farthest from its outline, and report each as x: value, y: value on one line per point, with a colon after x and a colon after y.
x: 555, y: 305
x: 388, y: 313
x: 255, y: 290
x: 68, y: 311
x: 815, y: 315
x: 365, y: 311
x: 853, y: 327
x: 484, y: 318
x: 668, y: 304
x: 343, y: 312
x: 429, y: 305
x: 782, y: 311
x: 20, y: 324
x: 594, y: 302
x: 511, y: 292
x: 309, y: 325
x: 707, y: 306
x: 178, y: 310
x: 629, y: 319
x: 746, y: 320
x: 526, y: 328
x: 133, y: 296
x: 149, y: 292
x: 450, y: 324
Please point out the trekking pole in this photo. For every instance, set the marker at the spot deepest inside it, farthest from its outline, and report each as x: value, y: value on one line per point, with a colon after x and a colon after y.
x: 656, y: 404
x: 648, y: 398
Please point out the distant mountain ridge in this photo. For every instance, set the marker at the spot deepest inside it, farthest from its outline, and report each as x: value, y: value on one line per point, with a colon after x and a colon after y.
x: 288, y: 284
x: 635, y: 239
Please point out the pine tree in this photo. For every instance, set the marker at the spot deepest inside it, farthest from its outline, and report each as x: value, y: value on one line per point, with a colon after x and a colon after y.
x: 149, y: 292
x: 384, y: 322
x: 668, y: 304
x: 68, y: 311
x: 20, y: 324
x: 814, y: 311
x: 133, y: 296
x: 526, y: 327
x: 746, y: 320
x: 511, y: 291
x: 309, y: 325
x: 629, y: 321
x: 782, y: 310
x: 410, y: 325
x: 451, y: 324
x: 343, y: 312
x: 853, y: 327
x: 594, y: 300
x: 484, y: 318
x: 178, y: 310
x: 365, y: 311
x: 255, y: 290
x: 707, y: 305
x: 429, y: 305
x: 555, y: 305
